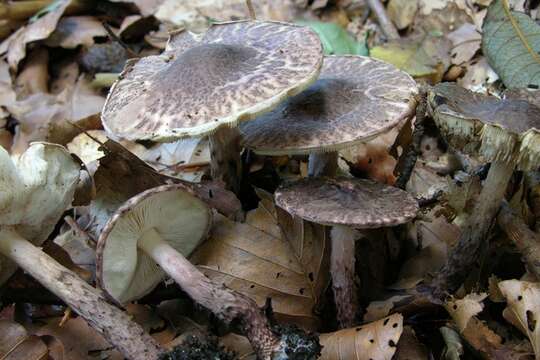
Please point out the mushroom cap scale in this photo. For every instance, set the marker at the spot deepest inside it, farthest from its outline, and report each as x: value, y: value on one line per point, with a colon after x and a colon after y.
x: 497, y: 129
x: 124, y: 271
x: 358, y: 203
x: 355, y: 99
x: 231, y: 73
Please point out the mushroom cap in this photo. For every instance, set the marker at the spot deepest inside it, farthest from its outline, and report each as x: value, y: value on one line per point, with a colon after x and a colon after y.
x: 231, y: 73
x: 124, y: 271
x: 358, y: 203
x: 498, y: 129
x: 355, y: 99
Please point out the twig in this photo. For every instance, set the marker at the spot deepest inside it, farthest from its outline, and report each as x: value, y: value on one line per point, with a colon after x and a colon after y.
x: 90, y: 241
x: 526, y: 241
x: 251, y: 10
x: 410, y: 156
x: 115, y: 37
x: 388, y: 29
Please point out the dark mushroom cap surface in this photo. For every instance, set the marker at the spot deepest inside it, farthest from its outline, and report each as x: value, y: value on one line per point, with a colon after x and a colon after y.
x: 231, y: 73
x: 358, y: 203
x: 355, y: 99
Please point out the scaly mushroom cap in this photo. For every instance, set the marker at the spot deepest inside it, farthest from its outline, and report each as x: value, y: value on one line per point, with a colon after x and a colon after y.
x: 125, y: 272
x: 358, y: 203
x: 498, y: 129
x: 355, y: 99
x: 231, y: 73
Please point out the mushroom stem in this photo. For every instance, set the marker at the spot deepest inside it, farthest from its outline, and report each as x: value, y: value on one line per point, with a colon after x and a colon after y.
x: 116, y: 326
x: 226, y: 304
x: 475, y: 231
x: 323, y: 164
x: 225, y: 164
x: 342, y: 269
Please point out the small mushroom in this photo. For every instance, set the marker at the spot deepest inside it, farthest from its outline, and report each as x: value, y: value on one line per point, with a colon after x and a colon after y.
x: 503, y: 132
x: 35, y: 189
x: 148, y: 237
x: 355, y: 99
x: 205, y: 84
x: 346, y: 204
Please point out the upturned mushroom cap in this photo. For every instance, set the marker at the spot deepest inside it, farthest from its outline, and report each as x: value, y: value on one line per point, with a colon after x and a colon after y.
x: 35, y: 190
x: 231, y: 73
x: 358, y: 203
x: 125, y: 272
x: 497, y: 129
x: 355, y: 99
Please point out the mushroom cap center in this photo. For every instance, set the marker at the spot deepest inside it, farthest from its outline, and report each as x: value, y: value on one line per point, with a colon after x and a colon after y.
x: 205, y: 67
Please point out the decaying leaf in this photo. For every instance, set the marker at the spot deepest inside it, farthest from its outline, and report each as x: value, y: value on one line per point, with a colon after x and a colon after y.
x: 409, y: 347
x: 17, y: 344
x: 454, y: 347
x: 423, y: 58
x: 254, y: 259
x: 523, y: 309
x: 462, y: 310
x: 40, y: 29
x: 373, y: 341
x: 73, y: 31
x: 511, y: 43
x: 466, y: 41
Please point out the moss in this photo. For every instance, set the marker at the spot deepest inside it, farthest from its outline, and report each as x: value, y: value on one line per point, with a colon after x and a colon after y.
x: 194, y: 348
x: 297, y: 344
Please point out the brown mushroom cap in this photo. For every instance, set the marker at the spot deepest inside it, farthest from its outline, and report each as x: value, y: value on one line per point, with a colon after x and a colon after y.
x: 498, y: 129
x: 358, y: 203
x: 231, y: 73
x: 355, y: 99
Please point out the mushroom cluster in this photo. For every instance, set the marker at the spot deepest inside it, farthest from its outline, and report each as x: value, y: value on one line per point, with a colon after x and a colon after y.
x: 355, y: 99
x: 207, y: 85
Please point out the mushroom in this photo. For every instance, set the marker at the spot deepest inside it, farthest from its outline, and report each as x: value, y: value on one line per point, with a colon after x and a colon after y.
x: 503, y: 132
x: 346, y: 204
x: 156, y: 229
x: 355, y: 99
x: 205, y: 84
x: 35, y: 189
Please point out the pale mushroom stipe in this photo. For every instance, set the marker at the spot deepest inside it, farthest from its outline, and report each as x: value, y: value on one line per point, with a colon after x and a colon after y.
x: 346, y: 204
x: 205, y: 84
x: 355, y: 99
x: 156, y: 228
x: 35, y: 189
x: 503, y: 132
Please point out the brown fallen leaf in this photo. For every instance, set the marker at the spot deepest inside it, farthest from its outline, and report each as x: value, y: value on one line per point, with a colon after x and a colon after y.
x: 373, y: 341
x: 410, y: 348
x: 40, y: 29
x: 17, y: 344
x: 72, y: 31
x: 255, y: 259
x: 34, y: 76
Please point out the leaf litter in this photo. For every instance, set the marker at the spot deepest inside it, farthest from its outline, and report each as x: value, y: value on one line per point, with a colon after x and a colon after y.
x: 59, y: 59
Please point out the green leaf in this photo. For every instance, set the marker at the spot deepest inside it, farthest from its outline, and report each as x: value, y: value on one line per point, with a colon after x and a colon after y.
x: 511, y: 43
x: 423, y: 58
x: 335, y: 39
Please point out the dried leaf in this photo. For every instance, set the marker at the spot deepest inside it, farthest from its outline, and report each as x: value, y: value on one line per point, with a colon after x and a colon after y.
x: 523, y: 309
x: 454, y: 347
x: 410, y: 348
x: 466, y: 41
x: 402, y: 12
x: 374, y: 341
x: 511, y: 43
x: 17, y: 344
x: 424, y: 58
x: 462, y: 310
x: 254, y: 259
x: 40, y: 29
x: 72, y: 31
